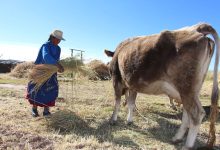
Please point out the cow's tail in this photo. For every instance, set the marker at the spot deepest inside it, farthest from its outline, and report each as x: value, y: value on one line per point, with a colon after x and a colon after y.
x: 207, y: 29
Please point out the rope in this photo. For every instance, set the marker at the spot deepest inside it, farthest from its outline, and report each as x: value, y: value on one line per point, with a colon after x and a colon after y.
x: 142, y: 116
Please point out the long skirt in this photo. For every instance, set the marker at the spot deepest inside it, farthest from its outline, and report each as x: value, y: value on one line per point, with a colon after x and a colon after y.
x: 46, y: 95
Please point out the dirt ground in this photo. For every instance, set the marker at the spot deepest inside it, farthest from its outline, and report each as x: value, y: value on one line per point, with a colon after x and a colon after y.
x: 80, y: 121
x: 23, y: 140
x: 11, y: 137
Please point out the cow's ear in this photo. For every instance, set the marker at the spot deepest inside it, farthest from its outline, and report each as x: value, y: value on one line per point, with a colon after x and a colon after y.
x: 109, y: 53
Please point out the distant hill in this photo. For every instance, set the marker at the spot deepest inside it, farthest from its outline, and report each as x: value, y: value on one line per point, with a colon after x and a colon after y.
x: 10, y: 61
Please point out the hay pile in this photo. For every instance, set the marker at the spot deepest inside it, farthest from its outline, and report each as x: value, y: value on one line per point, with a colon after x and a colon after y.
x: 22, y: 70
x: 39, y: 74
x: 71, y: 63
x: 99, y: 69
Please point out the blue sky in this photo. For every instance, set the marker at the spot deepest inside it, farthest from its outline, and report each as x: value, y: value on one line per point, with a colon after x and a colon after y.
x: 93, y: 25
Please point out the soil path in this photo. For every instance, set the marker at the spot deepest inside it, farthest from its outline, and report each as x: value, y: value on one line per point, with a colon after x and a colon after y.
x: 13, y: 86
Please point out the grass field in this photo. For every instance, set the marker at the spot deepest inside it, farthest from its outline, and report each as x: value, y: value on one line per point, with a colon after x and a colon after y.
x: 81, y: 120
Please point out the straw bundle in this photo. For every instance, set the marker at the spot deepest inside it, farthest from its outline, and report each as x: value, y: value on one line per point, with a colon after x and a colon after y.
x: 41, y: 73
x: 22, y: 70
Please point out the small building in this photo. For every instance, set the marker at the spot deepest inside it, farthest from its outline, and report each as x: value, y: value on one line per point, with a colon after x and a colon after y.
x: 7, y: 65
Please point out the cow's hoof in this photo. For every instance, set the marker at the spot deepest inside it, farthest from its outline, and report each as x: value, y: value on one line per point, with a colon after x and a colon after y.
x: 176, y: 141
x: 204, y: 148
x: 187, y: 148
x: 130, y: 123
x: 112, y: 122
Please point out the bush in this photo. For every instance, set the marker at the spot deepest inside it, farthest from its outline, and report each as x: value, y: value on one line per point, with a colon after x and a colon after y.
x: 22, y: 70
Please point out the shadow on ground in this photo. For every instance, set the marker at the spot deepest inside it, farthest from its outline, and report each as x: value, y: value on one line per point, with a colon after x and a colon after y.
x: 67, y: 122
x: 178, y: 115
x: 168, y: 130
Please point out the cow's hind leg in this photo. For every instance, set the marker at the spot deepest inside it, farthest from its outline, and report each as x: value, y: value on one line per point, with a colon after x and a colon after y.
x: 182, y: 130
x: 126, y: 97
x: 118, y: 94
x: 131, y: 105
x: 195, y: 118
x: 195, y: 114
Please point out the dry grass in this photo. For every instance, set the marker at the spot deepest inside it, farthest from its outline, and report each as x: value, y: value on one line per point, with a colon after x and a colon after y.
x: 6, y: 78
x: 209, y: 76
x: 95, y: 70
x: 80, y: 121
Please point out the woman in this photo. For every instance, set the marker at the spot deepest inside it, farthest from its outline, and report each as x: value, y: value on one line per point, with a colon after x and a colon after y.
x: 49, y: 53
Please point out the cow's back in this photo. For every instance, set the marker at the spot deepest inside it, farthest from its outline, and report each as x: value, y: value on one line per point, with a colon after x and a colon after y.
x: 170, y: 56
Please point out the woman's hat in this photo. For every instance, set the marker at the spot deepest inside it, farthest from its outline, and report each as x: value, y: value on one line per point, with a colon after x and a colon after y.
x: 58, y: 34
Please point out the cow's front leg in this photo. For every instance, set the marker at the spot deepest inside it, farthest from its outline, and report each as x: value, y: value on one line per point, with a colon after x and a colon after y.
x: 131, y: 105
x: 118, y: 93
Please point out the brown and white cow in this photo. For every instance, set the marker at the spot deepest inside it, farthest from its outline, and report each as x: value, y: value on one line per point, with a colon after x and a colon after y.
x: 174, y: 63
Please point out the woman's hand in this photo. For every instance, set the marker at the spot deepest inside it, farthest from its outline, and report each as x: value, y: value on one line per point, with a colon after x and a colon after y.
x: 60, y: 68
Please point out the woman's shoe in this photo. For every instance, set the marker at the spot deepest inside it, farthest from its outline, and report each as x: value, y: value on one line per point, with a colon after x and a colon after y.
x: 46, y: 111
x: 34, y: 112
